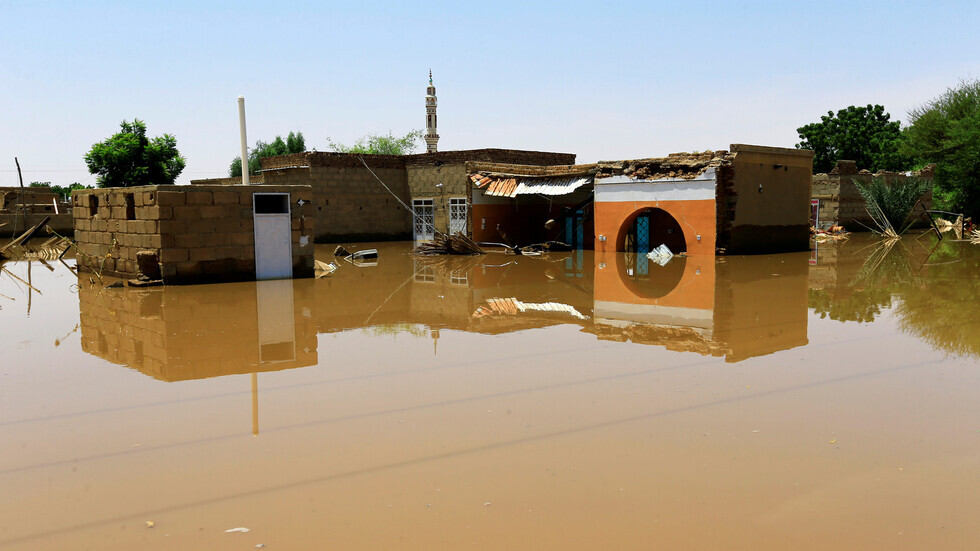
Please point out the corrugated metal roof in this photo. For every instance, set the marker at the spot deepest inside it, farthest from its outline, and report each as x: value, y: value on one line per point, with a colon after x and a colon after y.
x: 512, y: 186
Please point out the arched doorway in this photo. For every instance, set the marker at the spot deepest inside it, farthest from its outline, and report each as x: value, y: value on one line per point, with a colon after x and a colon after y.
x: 649, y: 228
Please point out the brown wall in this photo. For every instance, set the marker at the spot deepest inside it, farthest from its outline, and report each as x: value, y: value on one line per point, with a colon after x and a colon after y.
x: 349, y: 203
x: 422, y: 182
x: 772, y: 208
x: 199, y: 233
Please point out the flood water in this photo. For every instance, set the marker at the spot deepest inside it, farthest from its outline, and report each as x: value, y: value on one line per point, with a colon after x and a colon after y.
x: 823, y: 400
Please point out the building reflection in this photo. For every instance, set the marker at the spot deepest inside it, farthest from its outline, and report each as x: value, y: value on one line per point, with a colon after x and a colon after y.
x: 737, y: 307
x: 178, y: 333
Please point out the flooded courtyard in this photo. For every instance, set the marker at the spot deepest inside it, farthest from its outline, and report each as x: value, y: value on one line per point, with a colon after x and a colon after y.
x: 821, y: 400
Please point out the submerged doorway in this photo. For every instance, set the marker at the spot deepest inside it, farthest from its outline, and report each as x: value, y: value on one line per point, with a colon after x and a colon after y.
x: 650, y: 228
x: 646, y: 230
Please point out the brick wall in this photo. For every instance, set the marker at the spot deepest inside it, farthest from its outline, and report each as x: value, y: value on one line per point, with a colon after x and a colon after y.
x: 199, y: 233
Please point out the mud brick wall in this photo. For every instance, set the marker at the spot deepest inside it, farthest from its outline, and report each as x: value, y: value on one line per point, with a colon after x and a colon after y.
x: 841, y: 202
x: 188, y: 332
x: 200, y: 234
x: 531, y: 170
x: 349, y: 203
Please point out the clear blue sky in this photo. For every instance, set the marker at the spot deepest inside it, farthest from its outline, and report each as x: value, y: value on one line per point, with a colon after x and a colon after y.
x: 604, y: 80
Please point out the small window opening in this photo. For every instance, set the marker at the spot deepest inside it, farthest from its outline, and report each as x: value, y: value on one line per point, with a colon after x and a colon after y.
x: 130, y: 206
x: 93, y: 205
x: 271, y: 203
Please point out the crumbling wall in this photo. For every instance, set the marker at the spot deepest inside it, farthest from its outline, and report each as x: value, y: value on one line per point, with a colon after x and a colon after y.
x: 199, y: 233
x: 842, y: 204
x: 685, y: 166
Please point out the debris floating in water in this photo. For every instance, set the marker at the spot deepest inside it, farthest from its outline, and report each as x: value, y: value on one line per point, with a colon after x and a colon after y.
x: 241, y: 529
x: 456, y: 243
x: 661, y: 255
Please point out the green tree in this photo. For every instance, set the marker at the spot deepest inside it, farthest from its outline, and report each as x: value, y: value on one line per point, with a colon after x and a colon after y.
x: 373, y: 144
x: 294, y: 143
x: 946, y: 131
x: 63, y: 192
x: 862, y: 134
x: 129, y: 158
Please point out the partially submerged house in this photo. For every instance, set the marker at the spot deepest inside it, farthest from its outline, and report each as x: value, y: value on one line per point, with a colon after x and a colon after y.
x: 195, y: 234
x: 750, y: 199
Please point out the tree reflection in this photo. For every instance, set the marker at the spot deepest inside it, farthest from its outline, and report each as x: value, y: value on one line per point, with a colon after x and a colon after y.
x: 929, y: 287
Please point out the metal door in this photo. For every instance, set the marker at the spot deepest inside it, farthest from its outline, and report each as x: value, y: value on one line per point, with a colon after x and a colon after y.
x: 273, y: 243
x: 423, y: 216
x: 457, y: 215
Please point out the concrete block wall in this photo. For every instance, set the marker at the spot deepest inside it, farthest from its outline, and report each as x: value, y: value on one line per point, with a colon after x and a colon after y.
x: 199, y: 233
x: 349, y: 203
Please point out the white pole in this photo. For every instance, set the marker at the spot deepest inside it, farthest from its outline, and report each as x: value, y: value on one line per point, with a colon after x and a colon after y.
x: 241, y: 125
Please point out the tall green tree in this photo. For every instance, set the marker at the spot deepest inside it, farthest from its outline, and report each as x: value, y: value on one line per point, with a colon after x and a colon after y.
x: 862, y: 134
x: 374, y: 144
x: 129, y: 158
x: 946, y: 131
x: 294, y: 143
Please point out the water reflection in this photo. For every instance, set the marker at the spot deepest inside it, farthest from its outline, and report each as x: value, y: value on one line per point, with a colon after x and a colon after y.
x: 731, y: 307
x: 929, y: 284
x: 737, y: 307
x: 201, y: 331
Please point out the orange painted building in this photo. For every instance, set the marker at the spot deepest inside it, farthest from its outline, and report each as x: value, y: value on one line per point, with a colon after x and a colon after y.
x: 753, y: 199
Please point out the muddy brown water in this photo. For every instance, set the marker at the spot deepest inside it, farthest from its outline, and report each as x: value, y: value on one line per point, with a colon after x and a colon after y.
x: 578, y: 401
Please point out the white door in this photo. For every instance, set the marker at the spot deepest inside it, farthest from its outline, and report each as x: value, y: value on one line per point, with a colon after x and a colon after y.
x: 457, y: 215
x: 423, y: 218
x: 273, y: 243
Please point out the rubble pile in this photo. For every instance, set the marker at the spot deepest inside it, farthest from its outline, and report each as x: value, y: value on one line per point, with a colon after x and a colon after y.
x: 676, y: 165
